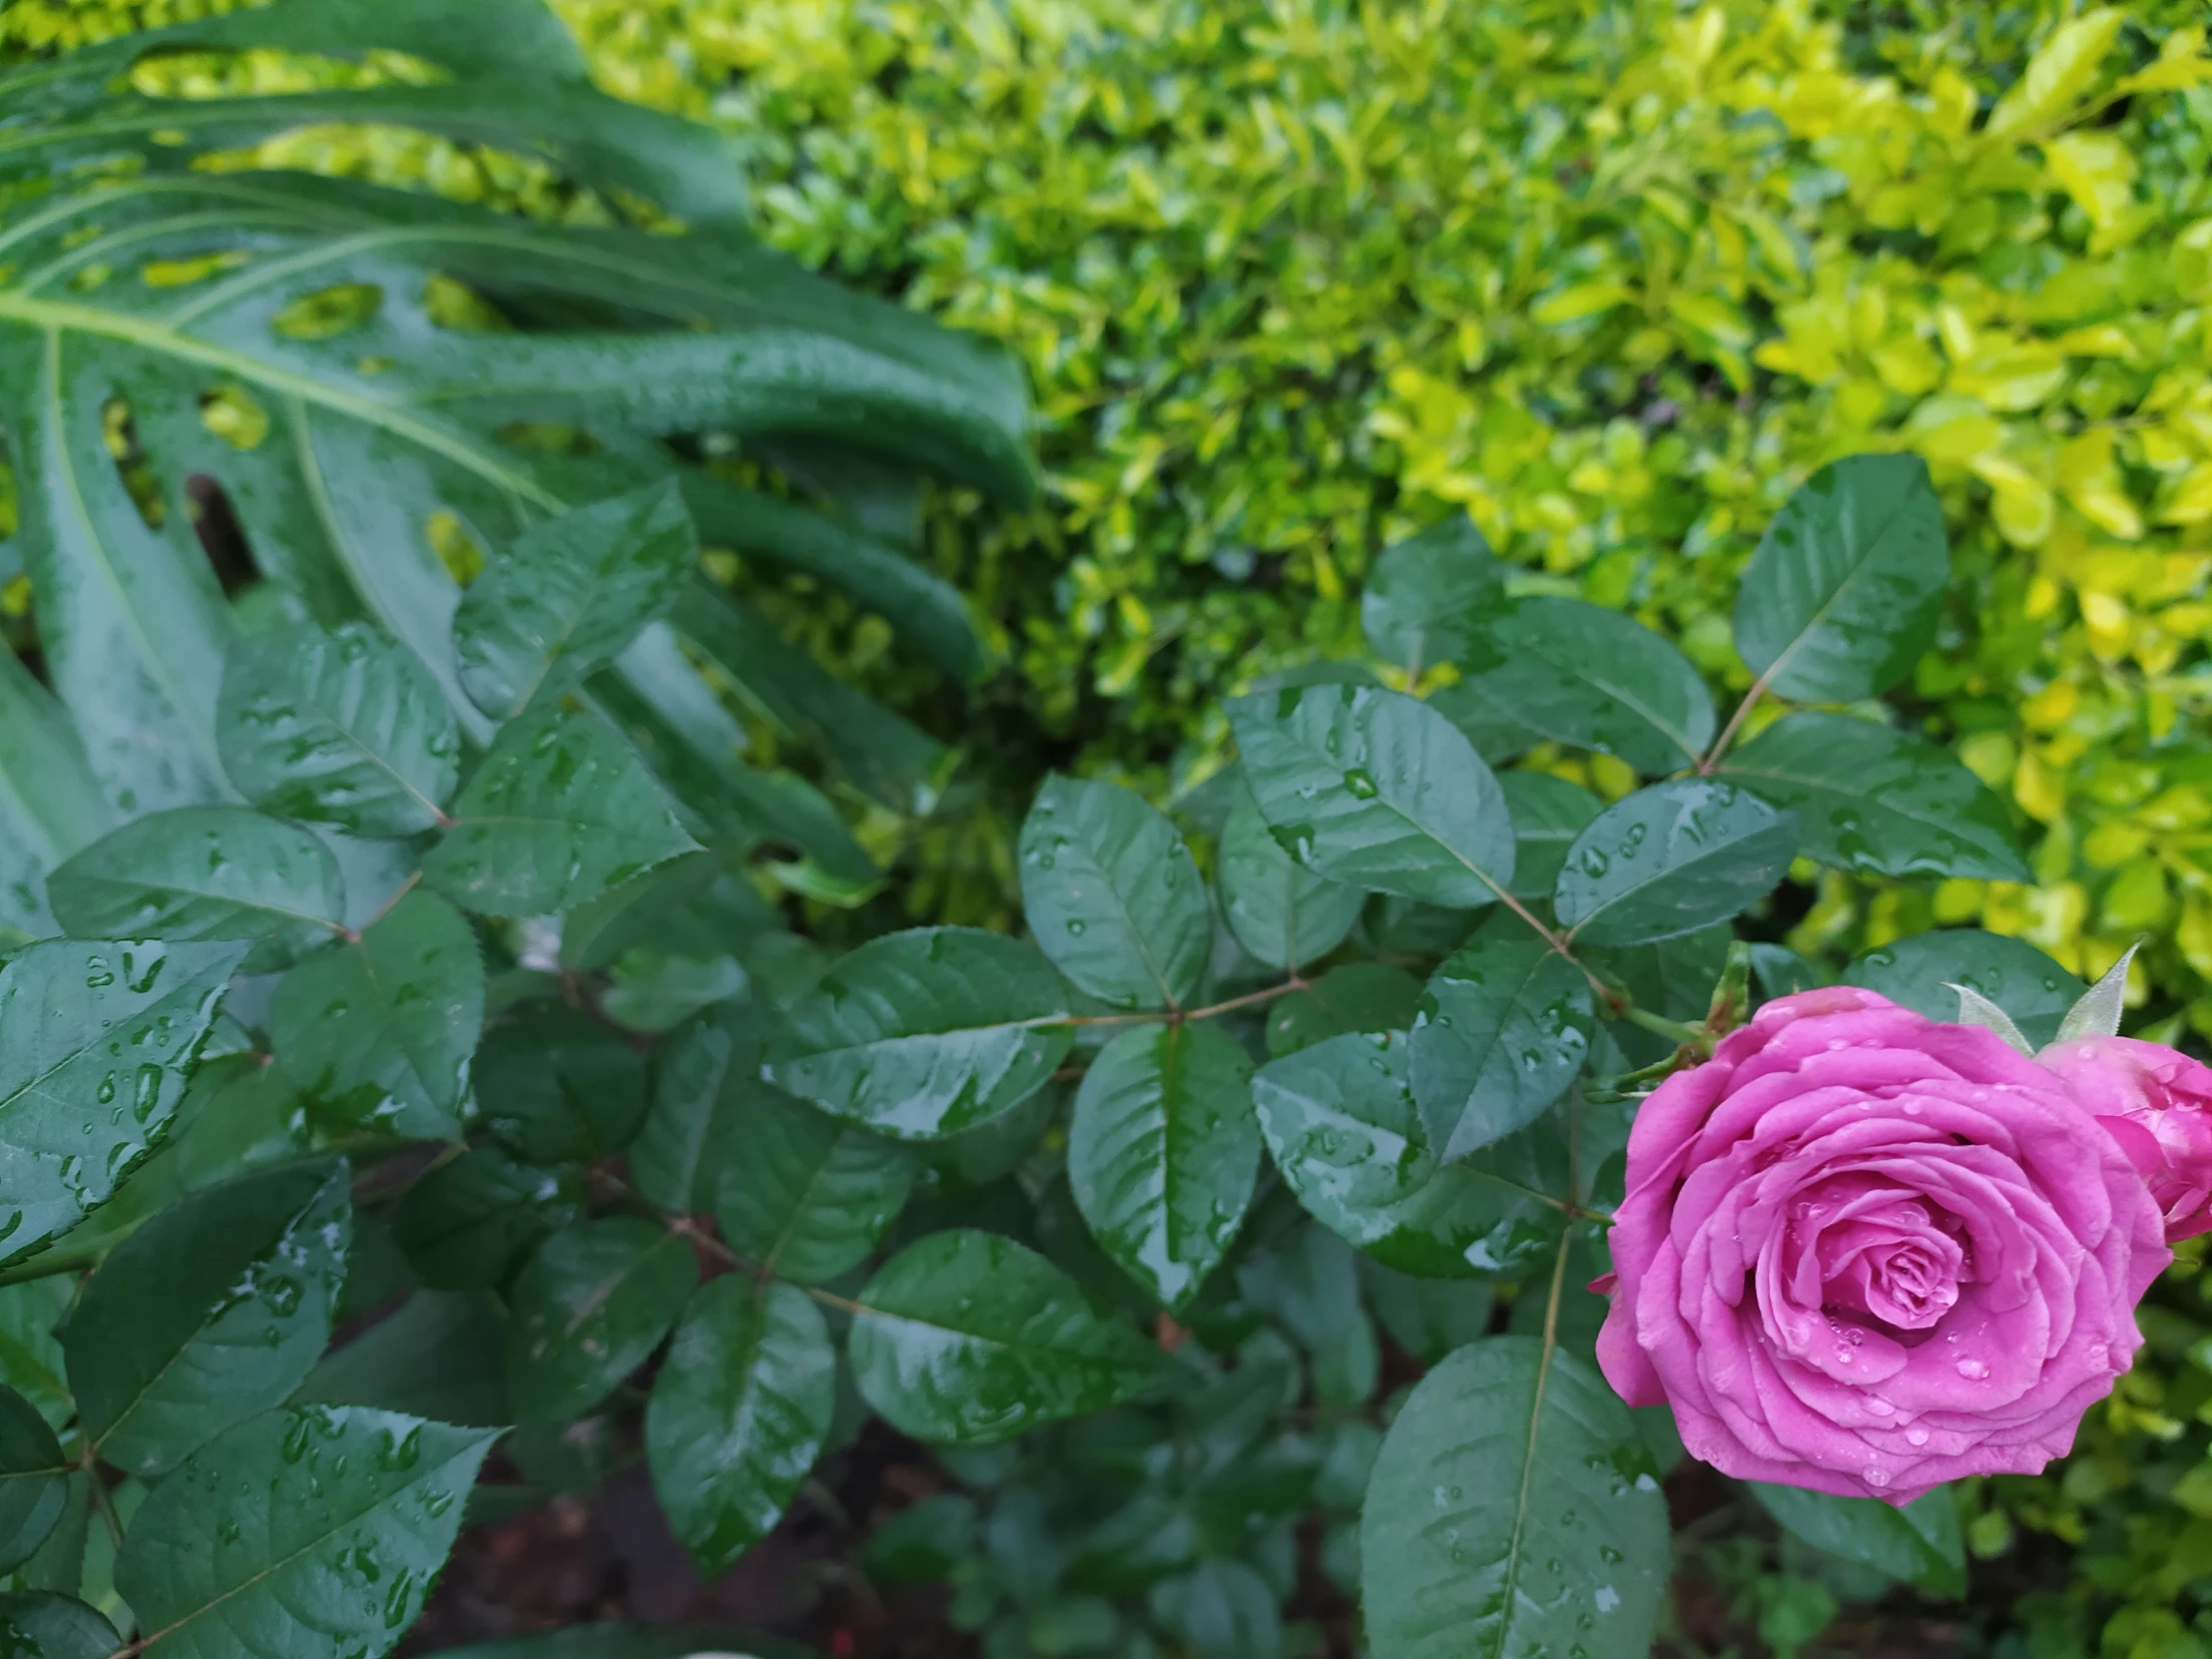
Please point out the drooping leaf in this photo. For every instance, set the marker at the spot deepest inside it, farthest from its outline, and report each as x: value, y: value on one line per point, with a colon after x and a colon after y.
x: 1670, y: 859
x: 1342, y: 1125
x: 596, y: 1299
x: 257, y: 1543
x: 924, y: 1033
x: 1512, y: 1513
x: 1503, y: 1028
x: 805, y: 1196
x: 966, y: 1336
x: 558, y: 1088
x: 204, y: 872
x: 1428, y: 595
x: 1918, y: 1542
x: 32, y: 1484
x: 1162, y: 1153
x: 1876, y: 801
x: 1377, y: 789
x: 39, y: 1624
x: 1548, y: 813
x: 567, y: 595
x: 1112, y: 894
x: 96, y: 1040
x: 342, y: 727
x: 558, y: 812
x: 464, y: 1224
x: 702, y: 1078
x: 1282, y: 912
x: 1916, y: 971
x: 213, y: 1310
x: 1583, y: 675
x: 381, y: 1031
x: 1842, y: 595
x: 739, y: 1413
x: 1358, y: 996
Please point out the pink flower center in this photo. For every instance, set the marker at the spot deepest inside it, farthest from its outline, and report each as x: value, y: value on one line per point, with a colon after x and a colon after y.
x: 1863, y: 1248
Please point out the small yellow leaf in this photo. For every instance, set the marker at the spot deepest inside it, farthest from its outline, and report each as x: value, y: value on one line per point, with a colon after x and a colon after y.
x: 2060, y: 72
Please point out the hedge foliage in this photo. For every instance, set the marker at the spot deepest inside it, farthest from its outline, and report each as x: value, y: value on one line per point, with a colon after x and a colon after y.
x: 1292, y: 278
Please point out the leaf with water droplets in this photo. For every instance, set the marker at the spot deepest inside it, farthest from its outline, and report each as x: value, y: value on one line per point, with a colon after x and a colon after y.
x: 1548, y: 813
x: 95, y: 1042
x: 1879, y: 801
x: 966, y: 1337
x: 1918, y: 1542
x: 380, y: 1031
x: 1579, y: 673
x: 921, y: 1034
x: 1512, y: 1513
x: 593, y: 1302
x: 1112, y: 894
x: 42, y: 1625
x: 1378, y: 790
x: 1920, y: 972
x: 1356, y: 996
x: 739, y: 1413
x: 1842, y: 595
x: 2098, y: 1014
x: 213, y: 1310
x: 1281, y: 912
x: 205, y: 872
x: 342, y: 727
x: 308, y: 1531
x: 1162, y: 1153
x: 462, y: 1225
x: 567, y: 595
x: 560, y: 810
x: 31, y: 1486
x: 1427, y: 595
x: 1503, y: 1028
x: 1670, y: 859
x: 1341, y: 1126
x: 809, y: 1196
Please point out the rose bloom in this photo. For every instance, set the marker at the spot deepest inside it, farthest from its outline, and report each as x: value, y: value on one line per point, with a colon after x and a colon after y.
x: 2158, y: 1103
x: 1866, y: 1253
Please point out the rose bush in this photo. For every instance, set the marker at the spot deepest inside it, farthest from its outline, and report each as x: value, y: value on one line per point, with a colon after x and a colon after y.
x: 2157, y: 1102
x: 1865, y: 1252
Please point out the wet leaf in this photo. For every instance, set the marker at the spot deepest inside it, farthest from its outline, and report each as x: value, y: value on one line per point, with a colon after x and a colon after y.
x: 1162, y: 1153
x: 1918, y: 971
x: 1358, y: 996
x: 808, y: 1197
x: 594, y: 1301
x: 1548, y: 813
x: 42, y: 1625
x: 1282, y: 912
x: 32, y: 1480
x: 1670, y: 859
x: 1503, y: 1028
x: 703, y: 1076
x: 1427, y: 595
x: 464, y: 1224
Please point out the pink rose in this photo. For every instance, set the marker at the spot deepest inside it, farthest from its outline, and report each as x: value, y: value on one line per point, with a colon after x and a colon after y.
x: 1866, y: 1253
x: 2158, y: 1104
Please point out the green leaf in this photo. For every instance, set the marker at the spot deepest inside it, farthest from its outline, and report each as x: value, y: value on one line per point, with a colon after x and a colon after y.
x: 739, y: 1415
x: 1282, y: 912
x: 33, y: 1485
x: 1113, y: 896
x: 1918, y: 1542
x: 342, y: 727
x: 1503, y: 1028
x: 440, y: 1354
x: 1342, y: 1125
x: 1162, y: 1153
x: 1374, y: 788
x: 50, y: 802
x: 809, y: 1196
x: 1580, y: 673
x: 381, y: 1031
x: 264, y: 1541
x: 558, y: 1088
x: 1223, y: 1610
x: 701, y: 1079
x: 1310, y: 1283
x: 596, y: 1299
x: 1842, y: 595
x: 1876, y: 801
x: 1427, y: 1317
x: 96, y: 1040
x: 464, y: 1223
x: 966, y: 1336
x: 618, y: 1641
x: 30, y: 1354
x: 205, y: 872
x: 1917, y: 972
x: 560, y: 810
x: 1670, y: 859
x: 1512, y: 1513
x: 567, y: 595
x: 213, y: 1310
x: 1428, y: 596
x: 1358, y: 996
x: 924, y: 1033
x: 1548, y: 813
x: 42, y: 1625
